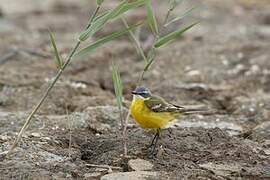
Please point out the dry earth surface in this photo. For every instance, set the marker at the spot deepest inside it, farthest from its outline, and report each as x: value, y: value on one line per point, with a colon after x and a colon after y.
x: 223, y: 63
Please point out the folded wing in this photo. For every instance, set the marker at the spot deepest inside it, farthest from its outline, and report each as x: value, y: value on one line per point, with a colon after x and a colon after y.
x: 158, y: 104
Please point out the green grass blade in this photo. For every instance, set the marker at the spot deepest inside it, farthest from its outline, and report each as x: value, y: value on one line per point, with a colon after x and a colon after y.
x: 112, y: 14
x: 129, y: 6
x: 124, y: 9
x: 99, y: 2
x: 118, y: 87
x: 96, y: 25
x: 171, y: 36
x: 90, y: 48
x: 188, y: 12
x: 58, y: 59
x: 151, y: 19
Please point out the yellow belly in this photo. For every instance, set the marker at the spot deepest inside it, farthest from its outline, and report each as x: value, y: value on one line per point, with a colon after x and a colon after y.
x: 147, y: 118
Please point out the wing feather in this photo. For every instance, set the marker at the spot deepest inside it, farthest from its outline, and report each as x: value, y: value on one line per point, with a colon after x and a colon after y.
x: 158, y: 104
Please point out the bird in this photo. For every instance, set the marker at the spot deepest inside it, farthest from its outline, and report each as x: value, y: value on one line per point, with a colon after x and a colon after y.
x: 153, y: 112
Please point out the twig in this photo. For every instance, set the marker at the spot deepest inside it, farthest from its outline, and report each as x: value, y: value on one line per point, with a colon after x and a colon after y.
x: 51, y: 85
x: 70, y: 132
x: 103, y: 166
x: 125, y: 134
x: 167, y: 16
x: 124, y: 129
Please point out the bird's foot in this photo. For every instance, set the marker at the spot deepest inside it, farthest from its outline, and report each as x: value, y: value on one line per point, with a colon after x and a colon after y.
x: 152, y: 151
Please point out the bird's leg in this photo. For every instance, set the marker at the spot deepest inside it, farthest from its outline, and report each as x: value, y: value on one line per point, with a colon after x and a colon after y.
x: 170, y: 132
x: 155, y: 142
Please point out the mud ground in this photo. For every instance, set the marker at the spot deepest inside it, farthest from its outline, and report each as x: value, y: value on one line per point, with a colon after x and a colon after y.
x: 223, y: 64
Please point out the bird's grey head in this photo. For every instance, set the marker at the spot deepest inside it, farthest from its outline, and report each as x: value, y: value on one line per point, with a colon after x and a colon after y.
x: 142, y: 92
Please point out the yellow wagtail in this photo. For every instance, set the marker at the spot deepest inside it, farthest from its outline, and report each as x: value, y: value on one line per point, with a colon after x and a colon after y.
x: 153, y: 112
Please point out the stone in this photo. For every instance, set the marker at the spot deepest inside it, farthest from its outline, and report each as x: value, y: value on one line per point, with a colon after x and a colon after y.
x: 92, y: 175
x: 140, y: 165
x: 222, y: 169
x: 135, y: 175
x: 3, y: 138
x: 35, y: 134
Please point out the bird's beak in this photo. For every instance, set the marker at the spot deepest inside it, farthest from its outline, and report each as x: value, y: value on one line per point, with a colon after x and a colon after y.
x: 134, y: 92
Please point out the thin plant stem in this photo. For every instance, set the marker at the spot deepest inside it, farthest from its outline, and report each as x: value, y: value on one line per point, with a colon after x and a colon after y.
x: 125, y: 139
x: 144, y: 70
x: 140, y: 50
x: 92, y: 17
x: 167, y: 16
x: 137, y: 43
x: 140, y: 78
x: 152, y: 50
x: 70, y: 131
x: 103, y: 166
x: 121, y: 118
x: 51, y: 85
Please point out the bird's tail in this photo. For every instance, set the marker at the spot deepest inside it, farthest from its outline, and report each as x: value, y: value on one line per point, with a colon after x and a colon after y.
x: 202, y: 111
x: 192, y: 110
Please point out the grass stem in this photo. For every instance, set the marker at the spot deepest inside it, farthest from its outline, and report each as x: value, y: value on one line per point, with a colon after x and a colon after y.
x: 50, y: 86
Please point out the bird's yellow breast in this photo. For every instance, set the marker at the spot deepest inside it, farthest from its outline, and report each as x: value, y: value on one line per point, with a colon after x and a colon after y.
x: 147, y: 118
